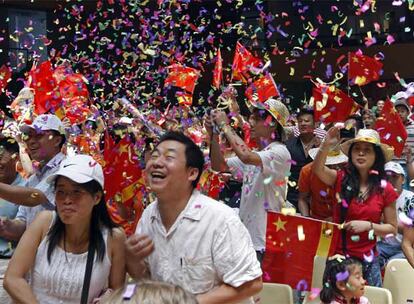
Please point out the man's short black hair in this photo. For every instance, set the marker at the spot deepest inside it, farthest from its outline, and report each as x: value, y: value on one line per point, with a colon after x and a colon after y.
x: 305, y: 111
x: 193, y: 154
x: 9, y: 144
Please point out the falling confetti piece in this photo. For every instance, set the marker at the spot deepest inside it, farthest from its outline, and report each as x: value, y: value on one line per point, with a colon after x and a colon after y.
x: 369, y: 258
x: 355, y: 238
x: 288, y: 211
x: 301, y: 235
x: 342, y: 276
x: 371, y: 235
x: 302, y: 285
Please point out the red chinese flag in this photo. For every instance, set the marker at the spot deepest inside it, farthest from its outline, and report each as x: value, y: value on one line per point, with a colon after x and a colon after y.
x: 124, y: 183
x: 184, y: 99
x: 218, y: 70
x: 211, y: 184
x: 182, y: 77
x: 242, y: 62
x: 391, y: 128
x: 331, y: 104
x: 5, y: 75
x: 74, y: 91
x: 262, y: 89
x: 291, y: 244
x: 46, y: 94
x: 363, y: 69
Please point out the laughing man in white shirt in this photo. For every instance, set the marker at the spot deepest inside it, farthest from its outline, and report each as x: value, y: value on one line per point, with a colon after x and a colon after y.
x: 188, y: 239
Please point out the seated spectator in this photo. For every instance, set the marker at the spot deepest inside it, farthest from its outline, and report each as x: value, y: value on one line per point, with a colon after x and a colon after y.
x: 189, y: 239
x: 58, y: 246
x: 390, y: 247
x: 9, y: 156
x: 315, y: 197
x: 150, y: 292
x: 44, y: 139
x: 343, y: 281
x: 408, y: 233
x: 402, y: 107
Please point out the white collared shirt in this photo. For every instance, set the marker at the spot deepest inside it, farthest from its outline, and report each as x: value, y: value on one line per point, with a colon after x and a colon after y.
x: 206, y: 246
x: 263, y: 189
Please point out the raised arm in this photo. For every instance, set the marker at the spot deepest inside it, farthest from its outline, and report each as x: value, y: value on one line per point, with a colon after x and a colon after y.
x: 242, y: 150
x: 22, y: 195
x: 325, y: 174
x: 218, y: 163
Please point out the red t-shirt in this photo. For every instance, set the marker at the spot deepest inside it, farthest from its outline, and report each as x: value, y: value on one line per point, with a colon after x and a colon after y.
x: 321, y: 194
x: 369, y: 210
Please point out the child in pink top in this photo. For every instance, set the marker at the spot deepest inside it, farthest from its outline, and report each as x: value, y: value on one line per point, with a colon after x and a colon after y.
x: 343, y: 282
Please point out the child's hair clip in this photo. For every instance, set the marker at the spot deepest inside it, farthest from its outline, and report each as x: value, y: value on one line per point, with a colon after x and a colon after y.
x: 129, y: 291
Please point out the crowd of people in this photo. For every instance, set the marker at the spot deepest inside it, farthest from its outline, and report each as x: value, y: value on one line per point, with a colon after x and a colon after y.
x: 60, y: 244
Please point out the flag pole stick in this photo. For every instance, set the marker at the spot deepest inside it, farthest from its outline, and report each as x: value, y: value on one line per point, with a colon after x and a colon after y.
x: 137, y: 114
x: 364, y: 98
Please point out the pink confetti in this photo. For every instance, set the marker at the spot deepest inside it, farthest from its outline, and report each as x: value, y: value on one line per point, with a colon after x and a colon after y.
x: 390, y: 39
x: 369, y: 258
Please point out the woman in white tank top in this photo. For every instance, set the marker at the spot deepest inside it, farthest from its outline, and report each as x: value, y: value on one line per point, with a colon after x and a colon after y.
x: 49, y: 263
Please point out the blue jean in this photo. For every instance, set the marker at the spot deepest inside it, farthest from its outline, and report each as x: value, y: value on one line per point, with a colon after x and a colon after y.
x: 372, y: 272
x: 389, y: 251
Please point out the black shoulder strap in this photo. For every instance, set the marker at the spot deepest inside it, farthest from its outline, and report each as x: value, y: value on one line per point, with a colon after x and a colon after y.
x: 88, y: 273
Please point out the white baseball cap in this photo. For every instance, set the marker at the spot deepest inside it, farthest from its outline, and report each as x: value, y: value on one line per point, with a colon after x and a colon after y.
x: 394, y: 167
x: 80, y: 168
x: 45, y: 122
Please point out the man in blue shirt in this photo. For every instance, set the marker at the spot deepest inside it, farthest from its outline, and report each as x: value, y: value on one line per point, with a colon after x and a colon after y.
x: 9, y: 155
x: 44, y: 139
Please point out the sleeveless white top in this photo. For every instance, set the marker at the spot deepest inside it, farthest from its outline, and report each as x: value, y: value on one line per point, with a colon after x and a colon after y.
x: 61, y: 281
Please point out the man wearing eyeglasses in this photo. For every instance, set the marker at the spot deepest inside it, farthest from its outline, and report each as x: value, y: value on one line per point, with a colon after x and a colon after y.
x: 44, y: 139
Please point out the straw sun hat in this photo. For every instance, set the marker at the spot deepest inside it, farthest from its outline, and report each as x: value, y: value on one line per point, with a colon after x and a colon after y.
x: 335, y: 156
x: 369, y: 136
x: 276, y: 108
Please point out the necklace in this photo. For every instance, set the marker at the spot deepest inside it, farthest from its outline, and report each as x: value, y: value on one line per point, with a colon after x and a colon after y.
x: 362, y: 195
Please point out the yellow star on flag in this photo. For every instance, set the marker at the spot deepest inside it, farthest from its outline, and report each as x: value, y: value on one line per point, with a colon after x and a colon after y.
x: 280, y: 225
x: 123, y: 149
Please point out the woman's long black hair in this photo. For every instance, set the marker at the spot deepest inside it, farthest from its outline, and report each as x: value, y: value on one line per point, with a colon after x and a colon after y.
x: 100, y: 219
